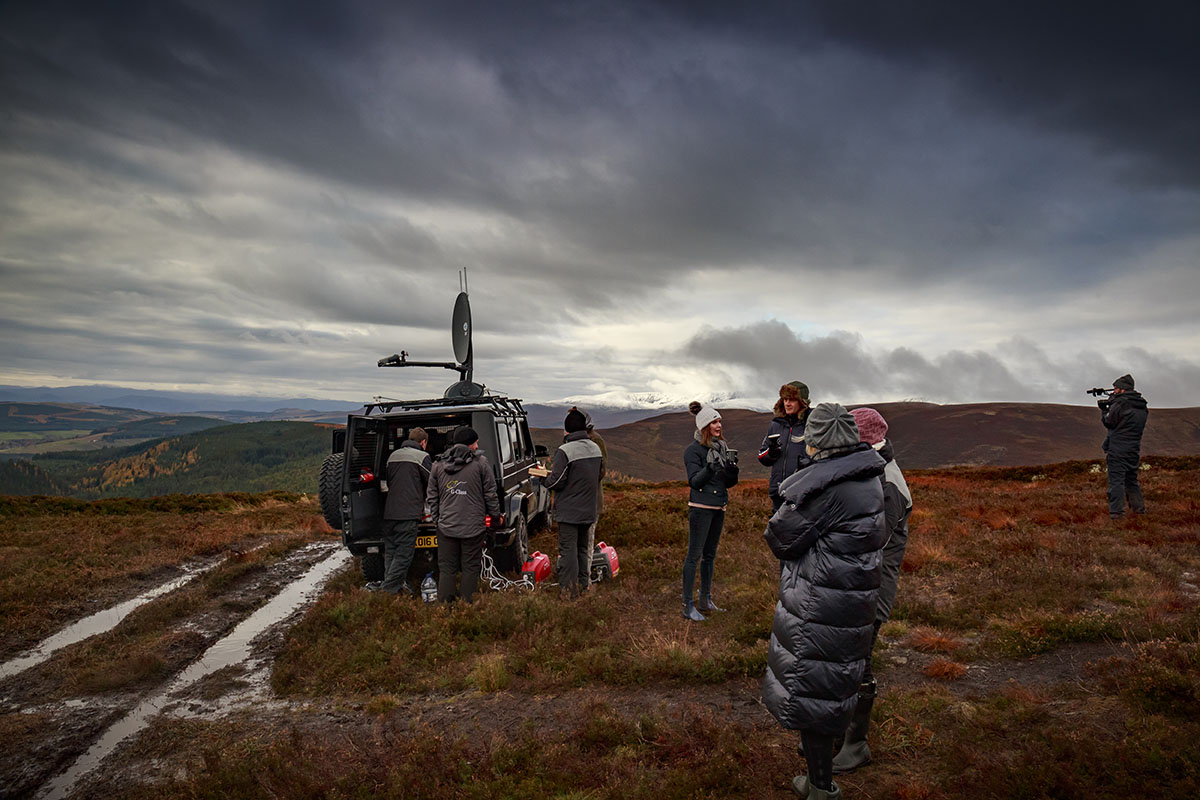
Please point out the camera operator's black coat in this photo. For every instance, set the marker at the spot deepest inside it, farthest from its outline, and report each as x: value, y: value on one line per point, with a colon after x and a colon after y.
x: 1125, y: 419
x: 828, y: 533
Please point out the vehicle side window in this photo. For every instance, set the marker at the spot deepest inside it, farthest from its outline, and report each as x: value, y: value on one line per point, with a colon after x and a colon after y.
x: 523, y: 433
x: 502, y: 438
x: 515, y: 434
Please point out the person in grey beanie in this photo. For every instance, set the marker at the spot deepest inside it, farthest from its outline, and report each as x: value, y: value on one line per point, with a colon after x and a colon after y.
x: 827, y: 533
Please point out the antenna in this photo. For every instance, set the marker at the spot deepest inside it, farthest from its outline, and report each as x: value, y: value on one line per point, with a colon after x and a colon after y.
x: 460, y: 339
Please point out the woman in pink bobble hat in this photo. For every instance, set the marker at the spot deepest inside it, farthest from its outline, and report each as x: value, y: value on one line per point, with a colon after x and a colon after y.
x: 897, y: 505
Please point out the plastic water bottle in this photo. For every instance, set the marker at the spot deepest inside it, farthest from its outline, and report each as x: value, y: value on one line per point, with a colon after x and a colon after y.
x: 428, y: 588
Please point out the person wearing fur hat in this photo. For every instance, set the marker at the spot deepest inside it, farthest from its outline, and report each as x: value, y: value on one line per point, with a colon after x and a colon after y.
x: 782, y: 448
x: 711, y: 469
x: 575, y: 476
x: 1124, y: 413
x: 897, y: 506
x: 827, y: 533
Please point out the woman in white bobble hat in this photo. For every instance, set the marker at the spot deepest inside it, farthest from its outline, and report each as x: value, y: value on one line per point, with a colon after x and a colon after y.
x: 711, y: 469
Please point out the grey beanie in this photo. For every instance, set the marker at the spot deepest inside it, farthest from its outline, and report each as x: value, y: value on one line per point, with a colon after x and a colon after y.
x: 830, y: 425
x: 1124, y: 382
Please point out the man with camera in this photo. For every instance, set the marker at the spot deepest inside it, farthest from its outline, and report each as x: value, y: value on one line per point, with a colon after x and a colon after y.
x: 1124, y: 413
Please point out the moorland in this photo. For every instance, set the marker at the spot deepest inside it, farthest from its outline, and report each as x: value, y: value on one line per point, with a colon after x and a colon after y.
x: 1036, y: 650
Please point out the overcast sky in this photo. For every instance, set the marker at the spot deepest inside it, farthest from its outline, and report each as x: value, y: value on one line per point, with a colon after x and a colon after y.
x: 956, y: 202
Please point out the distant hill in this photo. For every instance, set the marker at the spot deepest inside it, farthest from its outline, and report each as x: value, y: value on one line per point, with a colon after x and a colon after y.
x: 550, y: 417
x: 32, y: 428
x: 250, y: 457
x: 168, y: 402
x: 925, y: 435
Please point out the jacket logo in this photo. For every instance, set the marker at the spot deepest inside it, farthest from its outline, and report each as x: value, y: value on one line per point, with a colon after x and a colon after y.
x: 454, y: 487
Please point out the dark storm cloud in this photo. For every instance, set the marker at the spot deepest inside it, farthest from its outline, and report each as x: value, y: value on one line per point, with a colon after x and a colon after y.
x: 652, y: 137
x: 1121, y: 76
x: 296, y: 163
x: 843, y: 367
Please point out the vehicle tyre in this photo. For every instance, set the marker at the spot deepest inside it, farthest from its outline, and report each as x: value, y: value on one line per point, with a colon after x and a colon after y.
x: 513, y: 557
x: 329, y: 486
x: 372, y: 567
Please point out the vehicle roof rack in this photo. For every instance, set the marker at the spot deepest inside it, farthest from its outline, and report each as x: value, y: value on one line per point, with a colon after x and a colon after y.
x: 498, y: 402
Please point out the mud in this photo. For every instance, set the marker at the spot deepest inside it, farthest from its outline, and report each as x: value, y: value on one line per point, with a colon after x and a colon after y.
x: 88, y: 746
x: 47, y: 730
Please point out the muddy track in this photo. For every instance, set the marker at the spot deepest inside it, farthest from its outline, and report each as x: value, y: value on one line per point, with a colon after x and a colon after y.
x: 48, y: 725
x: 80, y: 745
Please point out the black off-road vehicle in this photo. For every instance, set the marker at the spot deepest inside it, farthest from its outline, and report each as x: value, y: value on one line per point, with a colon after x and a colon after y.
x: 353, y: 477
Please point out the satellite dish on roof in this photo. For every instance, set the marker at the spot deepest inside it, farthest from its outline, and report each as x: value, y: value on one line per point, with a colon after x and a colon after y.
x: 460, y: 337
x: 460, y: 331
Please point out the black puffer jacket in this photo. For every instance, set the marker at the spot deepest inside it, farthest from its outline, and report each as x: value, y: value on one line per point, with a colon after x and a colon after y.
x: 828, y: 533
x: 1125, y: 419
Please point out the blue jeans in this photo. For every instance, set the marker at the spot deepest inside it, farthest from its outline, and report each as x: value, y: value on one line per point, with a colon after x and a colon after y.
x: 704, y: 533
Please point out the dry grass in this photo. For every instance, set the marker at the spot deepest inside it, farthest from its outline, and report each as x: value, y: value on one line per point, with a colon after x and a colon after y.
x: 1003, y: 564
x: 62, y: 559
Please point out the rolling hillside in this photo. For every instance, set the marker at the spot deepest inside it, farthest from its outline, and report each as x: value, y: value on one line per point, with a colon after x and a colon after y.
x: 924, y: 435
x: 31, y: 428
x: 251, y: 457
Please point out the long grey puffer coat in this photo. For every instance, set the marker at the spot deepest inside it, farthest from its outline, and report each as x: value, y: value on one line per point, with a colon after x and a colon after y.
x: 828, y: 534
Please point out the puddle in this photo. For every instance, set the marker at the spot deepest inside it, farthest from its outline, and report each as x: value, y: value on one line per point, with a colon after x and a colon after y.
x: 233, y: 649
x: 99, y: 622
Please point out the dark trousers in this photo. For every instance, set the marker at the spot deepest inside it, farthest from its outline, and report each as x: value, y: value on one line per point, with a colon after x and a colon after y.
x: 704, y: 534
x: 818, y: 752
x: 889, y: 578
x: 399, y: 540
x: 455, y: 556
x: 1123, y: 485
x: 574, y: 557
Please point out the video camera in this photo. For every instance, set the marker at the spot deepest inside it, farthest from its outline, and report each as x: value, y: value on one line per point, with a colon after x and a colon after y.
x: 1099, y: 392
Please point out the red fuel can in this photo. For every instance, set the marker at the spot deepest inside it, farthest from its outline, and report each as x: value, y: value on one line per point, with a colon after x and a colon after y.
x: 605, y: 565
x: 537, y: 567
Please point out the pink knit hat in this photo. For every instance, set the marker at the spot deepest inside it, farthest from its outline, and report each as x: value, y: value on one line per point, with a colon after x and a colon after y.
x: 872, y: 427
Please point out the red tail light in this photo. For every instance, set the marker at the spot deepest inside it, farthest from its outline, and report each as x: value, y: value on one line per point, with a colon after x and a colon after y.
x: 366, y: 477
x: 487, y: 521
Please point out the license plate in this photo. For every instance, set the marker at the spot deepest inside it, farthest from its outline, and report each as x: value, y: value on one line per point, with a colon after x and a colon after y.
x: 426, y: 541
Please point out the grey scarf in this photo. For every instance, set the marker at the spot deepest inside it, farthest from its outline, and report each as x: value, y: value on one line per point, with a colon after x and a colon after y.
x: 718, y: 451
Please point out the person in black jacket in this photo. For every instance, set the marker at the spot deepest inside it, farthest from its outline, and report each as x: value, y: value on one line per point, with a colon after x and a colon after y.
x: 575, y: 476
x: 828, y: 534
x: 461, y: 495
x: 711, y: 469
x: 897, y: 506
x: 782, y: 448
x: 408, y: 470
x: 1124, y: 413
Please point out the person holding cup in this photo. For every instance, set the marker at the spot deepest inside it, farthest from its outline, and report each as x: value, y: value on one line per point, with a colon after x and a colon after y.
x: 711, y: 469
x: 782, y: 448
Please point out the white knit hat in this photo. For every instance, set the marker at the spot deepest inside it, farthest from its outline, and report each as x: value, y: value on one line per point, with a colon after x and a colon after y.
x: 705, y: 417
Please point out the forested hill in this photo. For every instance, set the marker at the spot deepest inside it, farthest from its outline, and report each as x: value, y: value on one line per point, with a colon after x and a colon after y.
x: 252, y: 457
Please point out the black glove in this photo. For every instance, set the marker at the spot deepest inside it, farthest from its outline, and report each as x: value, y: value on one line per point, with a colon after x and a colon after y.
x: 773, y: 448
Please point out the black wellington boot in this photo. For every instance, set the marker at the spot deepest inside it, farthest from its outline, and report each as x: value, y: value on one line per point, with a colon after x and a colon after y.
x: 855, y: 753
